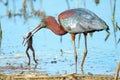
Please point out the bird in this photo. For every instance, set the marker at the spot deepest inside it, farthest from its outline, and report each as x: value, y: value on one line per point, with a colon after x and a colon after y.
x: 74, y: 21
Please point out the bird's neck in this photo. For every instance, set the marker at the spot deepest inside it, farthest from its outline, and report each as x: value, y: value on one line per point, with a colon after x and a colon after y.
x: 55, y: 27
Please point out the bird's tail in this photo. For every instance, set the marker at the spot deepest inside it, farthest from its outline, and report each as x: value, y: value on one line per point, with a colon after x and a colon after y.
x: 107, y: 27
x: 108, y: 34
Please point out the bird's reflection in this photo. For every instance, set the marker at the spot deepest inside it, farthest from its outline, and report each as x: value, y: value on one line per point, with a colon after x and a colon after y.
x: 82, y: 70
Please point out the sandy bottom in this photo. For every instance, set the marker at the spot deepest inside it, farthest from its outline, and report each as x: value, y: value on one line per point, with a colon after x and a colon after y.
x: 31, y: 74
x: 55, y: 77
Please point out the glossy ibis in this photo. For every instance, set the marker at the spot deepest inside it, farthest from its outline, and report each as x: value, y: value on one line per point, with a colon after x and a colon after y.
x: 74, y: 21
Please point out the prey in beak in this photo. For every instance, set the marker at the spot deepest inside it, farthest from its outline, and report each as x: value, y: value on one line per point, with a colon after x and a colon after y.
x: 30, y: 47
x: 42, y: 25
x: 28, y: 41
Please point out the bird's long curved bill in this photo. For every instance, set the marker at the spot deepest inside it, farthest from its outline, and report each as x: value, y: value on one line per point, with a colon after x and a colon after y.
x: 36, y: 29
x: 33, y: 32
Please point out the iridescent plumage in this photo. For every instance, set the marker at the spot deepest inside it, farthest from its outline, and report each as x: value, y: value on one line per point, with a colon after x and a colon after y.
x: 82, y: 20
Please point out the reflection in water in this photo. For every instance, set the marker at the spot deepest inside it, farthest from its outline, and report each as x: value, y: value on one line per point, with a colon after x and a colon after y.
x: 114, y: 22
x: 68, y: 5
x: 82, y: 70
x: 35, y: 67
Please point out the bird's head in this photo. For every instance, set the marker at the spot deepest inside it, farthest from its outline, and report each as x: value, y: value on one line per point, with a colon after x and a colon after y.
x: 40, y: 26
x: 44, y: 23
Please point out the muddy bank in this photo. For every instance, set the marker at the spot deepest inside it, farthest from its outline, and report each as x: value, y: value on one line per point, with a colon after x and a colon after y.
x: 27, y: 73
x: 55, y: 77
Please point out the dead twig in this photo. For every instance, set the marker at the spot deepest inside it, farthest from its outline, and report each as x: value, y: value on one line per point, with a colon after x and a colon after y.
x: 117, y: 72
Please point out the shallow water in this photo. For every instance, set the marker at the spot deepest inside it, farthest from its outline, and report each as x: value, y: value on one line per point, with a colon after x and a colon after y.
x: 102, y: 56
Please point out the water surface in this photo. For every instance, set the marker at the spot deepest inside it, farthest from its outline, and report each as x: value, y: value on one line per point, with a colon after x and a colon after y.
x: 102, y: 56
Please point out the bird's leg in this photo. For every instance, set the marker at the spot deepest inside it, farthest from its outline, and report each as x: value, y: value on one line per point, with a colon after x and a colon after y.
x: 108, y: 34
x: 79, y: 40
x: 75, y: 53
x: 28, y: 55
x: 85, y: 52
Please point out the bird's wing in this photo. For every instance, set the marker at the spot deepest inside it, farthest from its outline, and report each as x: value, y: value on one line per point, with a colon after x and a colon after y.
x: 82, y: 20
x: 90, y: 19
